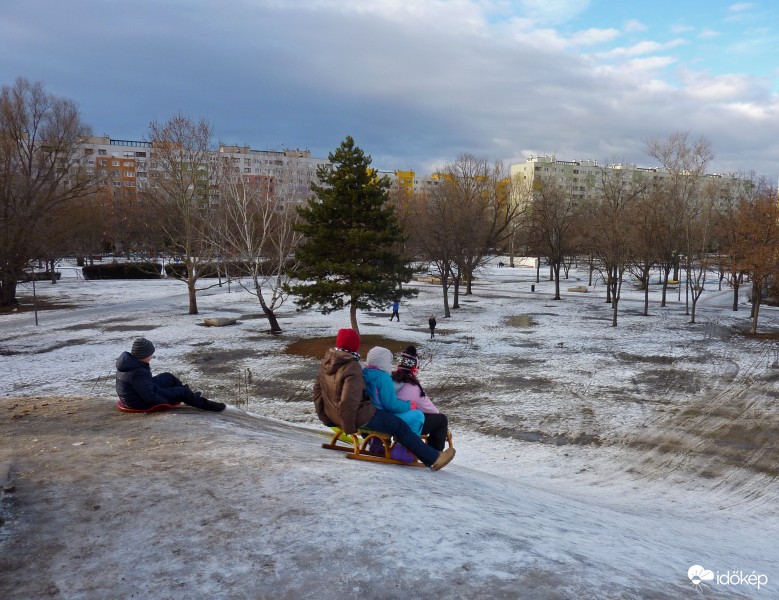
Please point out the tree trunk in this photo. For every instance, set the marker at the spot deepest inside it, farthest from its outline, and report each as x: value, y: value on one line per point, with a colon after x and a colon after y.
x: 192, y: 297
x: 556, y: 271
x: 272, y: 320
x: 456, y: 302
x: 614, y: 305
x: 468, y: 283
x: 591, y: 268
x: 8, y: 290
x: 736, y: 285
x: 615, y: 294
x: 269, y: 314
x: 353, y: 317
x: 445, y: 286
x: 755, y: 308
x: 646, y: 275
x: 666, y: 271
x: 192, y: 286
x: 53, y: 271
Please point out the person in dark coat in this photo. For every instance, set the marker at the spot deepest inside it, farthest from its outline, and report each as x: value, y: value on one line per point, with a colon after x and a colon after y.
x: 431, y: 323
x: 137, y: 388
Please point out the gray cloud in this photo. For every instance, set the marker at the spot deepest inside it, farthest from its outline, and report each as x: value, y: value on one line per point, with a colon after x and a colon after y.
x: 413, y: 91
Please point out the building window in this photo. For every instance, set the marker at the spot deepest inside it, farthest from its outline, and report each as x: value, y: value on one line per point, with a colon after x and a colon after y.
x: 101, y: 152
x: 140, y: 154
x: 88, y: 151
x: 114, y: 163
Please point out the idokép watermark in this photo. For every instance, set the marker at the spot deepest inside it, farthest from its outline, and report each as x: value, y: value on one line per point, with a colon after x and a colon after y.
x: 701, y: 577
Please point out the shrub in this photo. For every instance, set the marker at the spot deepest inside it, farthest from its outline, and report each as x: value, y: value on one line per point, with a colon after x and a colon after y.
x: 116, y: 270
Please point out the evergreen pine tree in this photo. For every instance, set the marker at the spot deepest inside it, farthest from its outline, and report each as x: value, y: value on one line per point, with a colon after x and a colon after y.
x: 350, y: 254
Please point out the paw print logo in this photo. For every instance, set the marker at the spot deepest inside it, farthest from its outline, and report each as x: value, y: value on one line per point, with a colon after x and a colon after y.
x: 698, y: 575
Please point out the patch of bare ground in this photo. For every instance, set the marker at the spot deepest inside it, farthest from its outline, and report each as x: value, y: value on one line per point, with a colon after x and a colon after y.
x: 705, y: 437
x: 316, y: 347
x: 26, y: 304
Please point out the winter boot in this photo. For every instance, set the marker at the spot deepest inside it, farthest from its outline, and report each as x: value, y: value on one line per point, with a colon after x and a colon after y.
x: 213, y: 406
x: 198, y: 400
x: 444, y: 459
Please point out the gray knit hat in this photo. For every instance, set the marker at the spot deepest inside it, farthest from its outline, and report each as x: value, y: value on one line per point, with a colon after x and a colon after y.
x: 142, y: 348
x: 381, y: 358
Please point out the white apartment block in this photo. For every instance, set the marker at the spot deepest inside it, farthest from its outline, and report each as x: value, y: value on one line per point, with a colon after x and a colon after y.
x: 295, y: 170
x: 582, y: 177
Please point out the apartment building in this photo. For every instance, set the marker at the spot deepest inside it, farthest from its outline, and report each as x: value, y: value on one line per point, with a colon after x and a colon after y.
x: 121, y: 166
x: 582, y: 177
x: 288, y: 173
x: 124, y: 167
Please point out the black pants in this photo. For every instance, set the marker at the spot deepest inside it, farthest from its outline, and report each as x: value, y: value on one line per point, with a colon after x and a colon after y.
x: 437, y: 426
x: 173, y: 390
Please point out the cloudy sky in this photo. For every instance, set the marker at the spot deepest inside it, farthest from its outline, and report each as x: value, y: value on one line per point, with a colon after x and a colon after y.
x: 417, y: 82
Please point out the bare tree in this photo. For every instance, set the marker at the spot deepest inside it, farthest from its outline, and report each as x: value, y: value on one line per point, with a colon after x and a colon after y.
x: 257, y: 226
x: 521, y: 197
x: 685, y: 160
x: 179, y: 189
x: 610, y: 237
x: 41, y: 173
x: 435, y: 236
x: 551, y: 222
x: 756, y: 242
x: 645, y: 220
x: 745, y: 190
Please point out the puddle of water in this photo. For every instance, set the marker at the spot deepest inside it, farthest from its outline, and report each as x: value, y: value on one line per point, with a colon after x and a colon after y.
x: 521, y: 321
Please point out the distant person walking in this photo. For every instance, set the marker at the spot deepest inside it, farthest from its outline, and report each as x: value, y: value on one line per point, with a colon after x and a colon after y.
x: 431, y: 323
x: 395, y: 309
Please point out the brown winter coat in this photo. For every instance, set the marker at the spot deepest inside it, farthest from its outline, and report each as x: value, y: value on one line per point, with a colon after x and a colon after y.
x: 338, y: 392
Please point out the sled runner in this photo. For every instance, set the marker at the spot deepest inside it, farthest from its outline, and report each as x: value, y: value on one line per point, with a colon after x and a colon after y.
x: 365, y: 439
x: 156, y: 408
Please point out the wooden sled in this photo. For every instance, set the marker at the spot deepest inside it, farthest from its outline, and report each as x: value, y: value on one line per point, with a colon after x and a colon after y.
x: 156, y: 408
x: 359, y: 449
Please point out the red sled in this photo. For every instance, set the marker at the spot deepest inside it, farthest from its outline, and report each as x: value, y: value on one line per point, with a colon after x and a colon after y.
x: 156, y: 408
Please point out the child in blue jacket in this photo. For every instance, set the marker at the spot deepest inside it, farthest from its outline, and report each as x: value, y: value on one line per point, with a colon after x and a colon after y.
x: 381, y: 388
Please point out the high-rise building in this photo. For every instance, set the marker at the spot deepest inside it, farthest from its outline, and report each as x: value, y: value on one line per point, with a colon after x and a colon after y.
x: 582, y: 178
x: 123, y: 167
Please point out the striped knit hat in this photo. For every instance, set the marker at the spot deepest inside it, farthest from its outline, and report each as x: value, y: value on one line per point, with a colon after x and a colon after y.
x: 142, y: 348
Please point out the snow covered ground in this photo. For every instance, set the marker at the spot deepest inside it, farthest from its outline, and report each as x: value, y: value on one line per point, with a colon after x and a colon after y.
x: 592, y: 461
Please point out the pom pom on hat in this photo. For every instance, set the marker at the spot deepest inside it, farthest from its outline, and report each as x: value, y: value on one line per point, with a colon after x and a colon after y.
x: 142, y: 348
x: 348, y: 339
x: 408, y: 359
x: 380, y: 358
